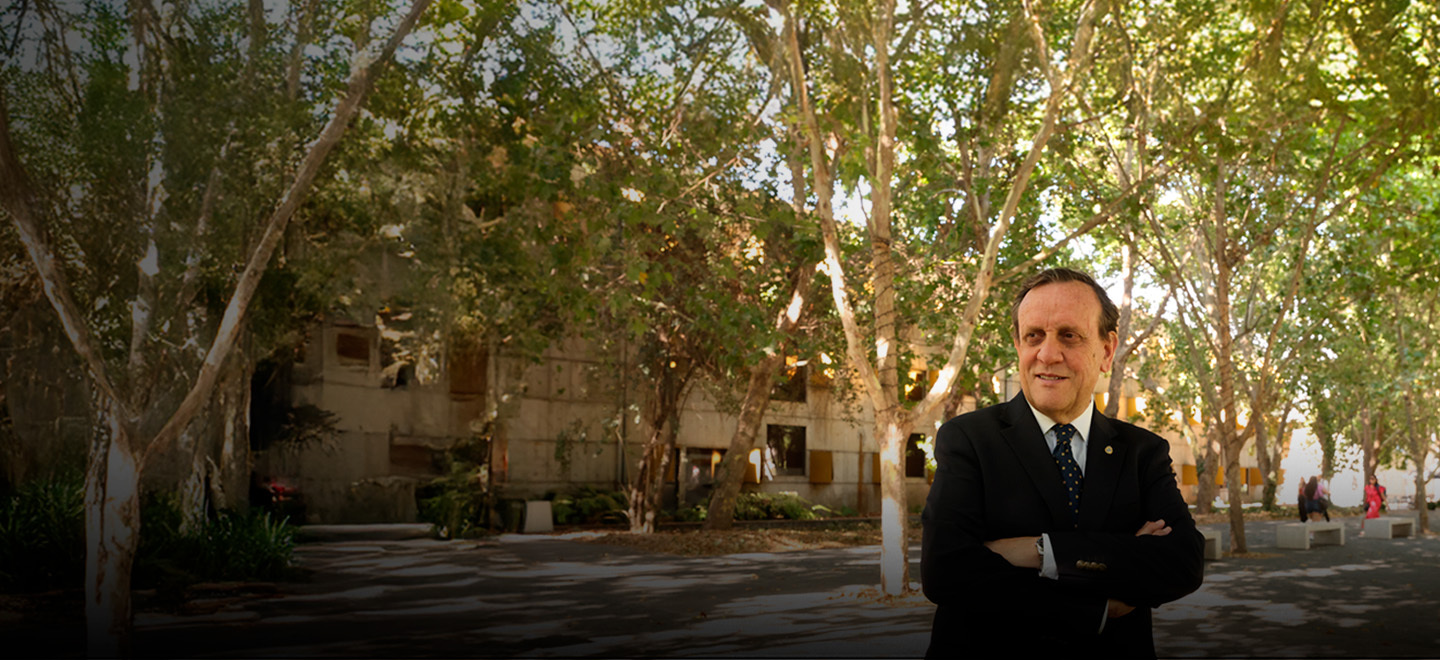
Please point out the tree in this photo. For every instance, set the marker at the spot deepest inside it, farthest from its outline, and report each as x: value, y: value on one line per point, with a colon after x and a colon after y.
x: 136, y: 188
x: 1257, y: 186
x: 937, y: 103
x: 704, y: 247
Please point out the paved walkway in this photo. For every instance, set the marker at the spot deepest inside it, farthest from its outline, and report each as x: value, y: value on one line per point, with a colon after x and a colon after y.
x: 543, y: 596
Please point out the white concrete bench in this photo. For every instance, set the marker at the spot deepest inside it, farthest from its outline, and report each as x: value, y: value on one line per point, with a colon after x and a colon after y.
x: 1389, y: 528
x: 1298, y: 536
x: 1212, y: 543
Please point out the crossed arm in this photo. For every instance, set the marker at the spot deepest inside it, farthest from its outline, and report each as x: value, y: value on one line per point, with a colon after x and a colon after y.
x: 1020, y: 551
x: 964, y: 565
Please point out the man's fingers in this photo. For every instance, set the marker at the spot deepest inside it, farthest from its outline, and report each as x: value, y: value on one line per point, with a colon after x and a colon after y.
x: 1115, y: 609
x: 1153, y: 528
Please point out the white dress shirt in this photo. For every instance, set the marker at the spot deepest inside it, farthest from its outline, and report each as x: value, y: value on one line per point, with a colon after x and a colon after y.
x: 1048, y: 567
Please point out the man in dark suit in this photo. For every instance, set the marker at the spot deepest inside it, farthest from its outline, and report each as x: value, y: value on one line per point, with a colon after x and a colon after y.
x: 1050, y: 529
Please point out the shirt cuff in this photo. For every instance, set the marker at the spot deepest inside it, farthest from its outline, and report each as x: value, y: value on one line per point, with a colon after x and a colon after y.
x: 1048, y: 567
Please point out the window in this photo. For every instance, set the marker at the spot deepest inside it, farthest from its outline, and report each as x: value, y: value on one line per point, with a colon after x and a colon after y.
x: 793, y: 389
x: 700, y: 465
x: 915, y: 456
x: 785, y: 450
x: 920, y: 382
x: 352, y: 349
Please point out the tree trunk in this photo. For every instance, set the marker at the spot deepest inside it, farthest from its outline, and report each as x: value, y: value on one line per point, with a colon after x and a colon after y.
x: 1262, y: 460
x: 650, y: 479
x: 1210, y: 462
x: 1127, y: 310
x: 667, y: 397
x: 721, y: 511
x: 1420, y: 448
x: 1232, y: 486
x: 229, y: 486
x: 112, y: 525
x: 1369, y: 437
x: 1231, y: 443
x: 1279, y: 447
x: 892, y: 431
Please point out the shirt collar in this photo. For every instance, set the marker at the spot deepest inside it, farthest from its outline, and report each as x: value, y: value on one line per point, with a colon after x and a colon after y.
x: 1081, y: 423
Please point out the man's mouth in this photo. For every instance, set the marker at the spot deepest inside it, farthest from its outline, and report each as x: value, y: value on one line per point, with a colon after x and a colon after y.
x: 1050, y: 377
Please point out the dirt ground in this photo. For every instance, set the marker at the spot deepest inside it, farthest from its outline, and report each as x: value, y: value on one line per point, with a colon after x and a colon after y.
x: 698, y: 543
x: 692, y: 542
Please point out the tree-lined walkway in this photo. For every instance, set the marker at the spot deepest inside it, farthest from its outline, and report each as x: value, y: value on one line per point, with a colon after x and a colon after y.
x: 376, y: 594
x: 1371, y: 598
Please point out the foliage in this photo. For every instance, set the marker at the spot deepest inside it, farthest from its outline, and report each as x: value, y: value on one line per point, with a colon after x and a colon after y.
x: 775, y: 506
x: 590, y: 505
x: 42, y: 541
x: 696, y: 513
x: 457, y: 505
x: 299, y: 427
x: 253, y: 545
x: 42, y: 529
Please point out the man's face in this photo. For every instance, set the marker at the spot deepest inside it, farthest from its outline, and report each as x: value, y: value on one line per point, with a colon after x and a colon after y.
x: 1061, y: 351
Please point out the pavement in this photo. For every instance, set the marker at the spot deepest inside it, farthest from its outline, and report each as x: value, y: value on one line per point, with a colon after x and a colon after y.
x: 387, y: 591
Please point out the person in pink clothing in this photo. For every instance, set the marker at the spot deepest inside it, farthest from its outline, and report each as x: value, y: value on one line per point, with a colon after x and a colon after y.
x: 1374, y: 496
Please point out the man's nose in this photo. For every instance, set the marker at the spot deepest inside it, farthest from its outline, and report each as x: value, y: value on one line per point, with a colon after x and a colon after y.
x: 1049, y: 352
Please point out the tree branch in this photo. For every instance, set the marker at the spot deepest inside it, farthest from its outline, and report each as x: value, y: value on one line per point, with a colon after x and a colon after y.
x: 362, y: 76
x: 19, y: 197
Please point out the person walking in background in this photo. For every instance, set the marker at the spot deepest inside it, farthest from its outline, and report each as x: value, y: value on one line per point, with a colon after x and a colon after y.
x: 1374, y: 497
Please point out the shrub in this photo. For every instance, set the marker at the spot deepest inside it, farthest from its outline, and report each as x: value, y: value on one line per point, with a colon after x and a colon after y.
x: 253, y: 545
x: 457, y: 505
x: 590, y: 505
x: 42, y: 534
x: 42, y: 541
x: 695, y: 513
x: 773, y: 506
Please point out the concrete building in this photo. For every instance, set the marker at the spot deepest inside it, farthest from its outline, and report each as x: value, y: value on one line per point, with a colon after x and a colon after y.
x: 568, y: 421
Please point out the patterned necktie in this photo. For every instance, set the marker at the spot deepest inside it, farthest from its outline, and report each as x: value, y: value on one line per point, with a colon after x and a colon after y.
x: 1069, y: 469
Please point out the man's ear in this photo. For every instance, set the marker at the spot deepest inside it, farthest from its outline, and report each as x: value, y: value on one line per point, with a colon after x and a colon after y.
x: 1111, y: 343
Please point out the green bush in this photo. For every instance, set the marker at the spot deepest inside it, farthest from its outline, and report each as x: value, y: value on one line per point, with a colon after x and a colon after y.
x: 42, y: 541
x: 457, y: 505
x: 454, y: 505
x: 695, y: 513
x: 254, y: 545
x: 42, y: 534
x: 590, y: 505
x: 773, y: 506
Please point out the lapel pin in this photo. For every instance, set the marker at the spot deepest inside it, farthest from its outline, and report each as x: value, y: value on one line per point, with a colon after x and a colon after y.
x: 1109, y: 449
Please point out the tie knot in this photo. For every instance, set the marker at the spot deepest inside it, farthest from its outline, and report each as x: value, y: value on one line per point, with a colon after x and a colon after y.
x: 1063, y: 432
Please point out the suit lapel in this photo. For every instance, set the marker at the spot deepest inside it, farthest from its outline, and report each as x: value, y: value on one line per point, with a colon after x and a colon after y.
x: 1104, y: 456
x: 1027, y: 440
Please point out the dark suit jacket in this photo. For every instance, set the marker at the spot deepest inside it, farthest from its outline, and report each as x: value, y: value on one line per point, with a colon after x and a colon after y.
x: 996, y: 479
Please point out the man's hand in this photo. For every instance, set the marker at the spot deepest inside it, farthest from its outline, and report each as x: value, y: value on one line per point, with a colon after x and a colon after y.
x: 1018, y: 550
x: 1115, y: 609
x: 1153, y: 528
